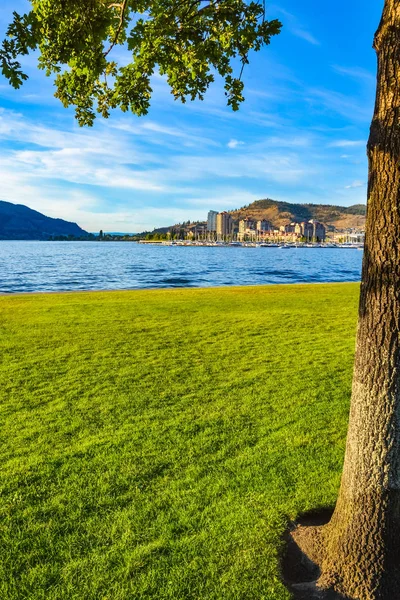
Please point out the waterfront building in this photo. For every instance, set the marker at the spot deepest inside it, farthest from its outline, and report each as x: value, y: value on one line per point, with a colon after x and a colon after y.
x: 298, y: 229
x: 349, y: 236
x: 311, y: 230
x: 308, y: 230
x: 264, y: 225
x: 304, y: 229
x: 196, y: 231
x: 319, y: 232
x: 245, y: 224
x: 212, y: 221
x: 224, y: 225
x: 247, y: 230
x: 290, y: 228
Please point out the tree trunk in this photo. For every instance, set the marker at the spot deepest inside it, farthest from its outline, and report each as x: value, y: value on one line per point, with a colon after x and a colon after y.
x: 359, y: 550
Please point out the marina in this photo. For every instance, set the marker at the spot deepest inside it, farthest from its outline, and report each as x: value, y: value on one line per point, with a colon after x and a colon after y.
x: 252, y: 244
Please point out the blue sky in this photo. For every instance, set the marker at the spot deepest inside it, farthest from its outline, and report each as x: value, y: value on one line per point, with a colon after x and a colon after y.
x: 300, y: 135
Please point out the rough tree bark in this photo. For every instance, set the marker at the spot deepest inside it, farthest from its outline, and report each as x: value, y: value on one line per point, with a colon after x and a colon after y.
x: 358, y: 551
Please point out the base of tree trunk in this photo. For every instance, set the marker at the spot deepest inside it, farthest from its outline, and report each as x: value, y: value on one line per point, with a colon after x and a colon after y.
x: 307, y: 542
x: 301, y: 563
x: 319, y: 564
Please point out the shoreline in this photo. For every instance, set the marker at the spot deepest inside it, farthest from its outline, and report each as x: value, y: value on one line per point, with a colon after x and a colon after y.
x: 164, y: 289
x: 327, y: 245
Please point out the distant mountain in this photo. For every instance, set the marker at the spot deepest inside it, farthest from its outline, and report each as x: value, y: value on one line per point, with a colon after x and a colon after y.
x: 18, y: 222
x: 281, y: 213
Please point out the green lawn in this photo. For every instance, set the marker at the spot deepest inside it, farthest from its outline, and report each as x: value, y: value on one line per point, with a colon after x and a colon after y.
x: 154, y: 444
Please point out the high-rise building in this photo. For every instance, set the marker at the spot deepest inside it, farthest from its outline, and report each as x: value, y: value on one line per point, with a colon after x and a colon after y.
x: 264, y: 225
x: 247, y: 229
x: 289, y: 228
x: 224, y: 224
x: 245, y: 224
x: 212, y: 221
x: 311, y: 230
x: 319, y: 232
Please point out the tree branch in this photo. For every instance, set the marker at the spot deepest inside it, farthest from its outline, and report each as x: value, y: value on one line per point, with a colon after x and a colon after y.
x: 119, y: 28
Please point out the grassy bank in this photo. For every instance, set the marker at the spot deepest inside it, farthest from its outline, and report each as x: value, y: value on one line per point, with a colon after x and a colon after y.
x: 155, y: 443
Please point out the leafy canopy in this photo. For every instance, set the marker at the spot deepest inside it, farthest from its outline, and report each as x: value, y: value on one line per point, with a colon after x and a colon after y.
x: 188, y: 41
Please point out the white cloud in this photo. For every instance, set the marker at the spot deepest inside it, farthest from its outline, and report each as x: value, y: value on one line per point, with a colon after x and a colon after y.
x: 305, y: 35
x: 355, y: 184
x: 342, y: 104
x: 286, y: 167
x: 288, y: 141
x: 108, y: 163
x: 226, y: 199
x: 158, y: 134
x: 294, y: 26
x: 346, y: 143
x: 88, y: 157
x: 234, y: 143
x: 356, y: 73
x: 78, y: 166
x: 101, y: 159
x: 50, y: 199
x: 88, y: 209
x: 144, y: 219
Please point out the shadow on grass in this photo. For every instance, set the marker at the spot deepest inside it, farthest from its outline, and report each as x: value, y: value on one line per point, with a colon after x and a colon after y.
x: 299, y: 573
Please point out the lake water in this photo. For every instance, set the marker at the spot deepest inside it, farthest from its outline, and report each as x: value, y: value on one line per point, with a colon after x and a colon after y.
x: 62, y: 266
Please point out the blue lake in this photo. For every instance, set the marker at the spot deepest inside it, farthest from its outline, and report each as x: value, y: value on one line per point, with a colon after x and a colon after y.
x: 63, y: 266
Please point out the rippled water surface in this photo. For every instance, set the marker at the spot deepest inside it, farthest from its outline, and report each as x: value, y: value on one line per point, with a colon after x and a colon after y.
x: 61, y: 266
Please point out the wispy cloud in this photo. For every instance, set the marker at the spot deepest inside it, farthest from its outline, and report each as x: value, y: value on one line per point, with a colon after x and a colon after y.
x: 295, y: 27
x: 355, y: 73
x: 84, y: 157
x: 346, y: 143
x: 81, y: 157
x: 288, y: 140
x: 224, y: 198
x: 271, y: 166
x: 355, y: 184
x: 352, y: 108
x: 234, y: 143
x: 158, y: 133
x: 107, y: 163
x: 305, y: 35
x: 79, y: 167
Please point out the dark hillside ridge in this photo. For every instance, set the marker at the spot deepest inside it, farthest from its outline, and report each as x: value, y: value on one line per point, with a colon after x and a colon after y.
x: 18, y: 222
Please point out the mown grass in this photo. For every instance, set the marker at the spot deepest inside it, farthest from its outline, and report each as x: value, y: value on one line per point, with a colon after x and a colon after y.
x: 154, y: 444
